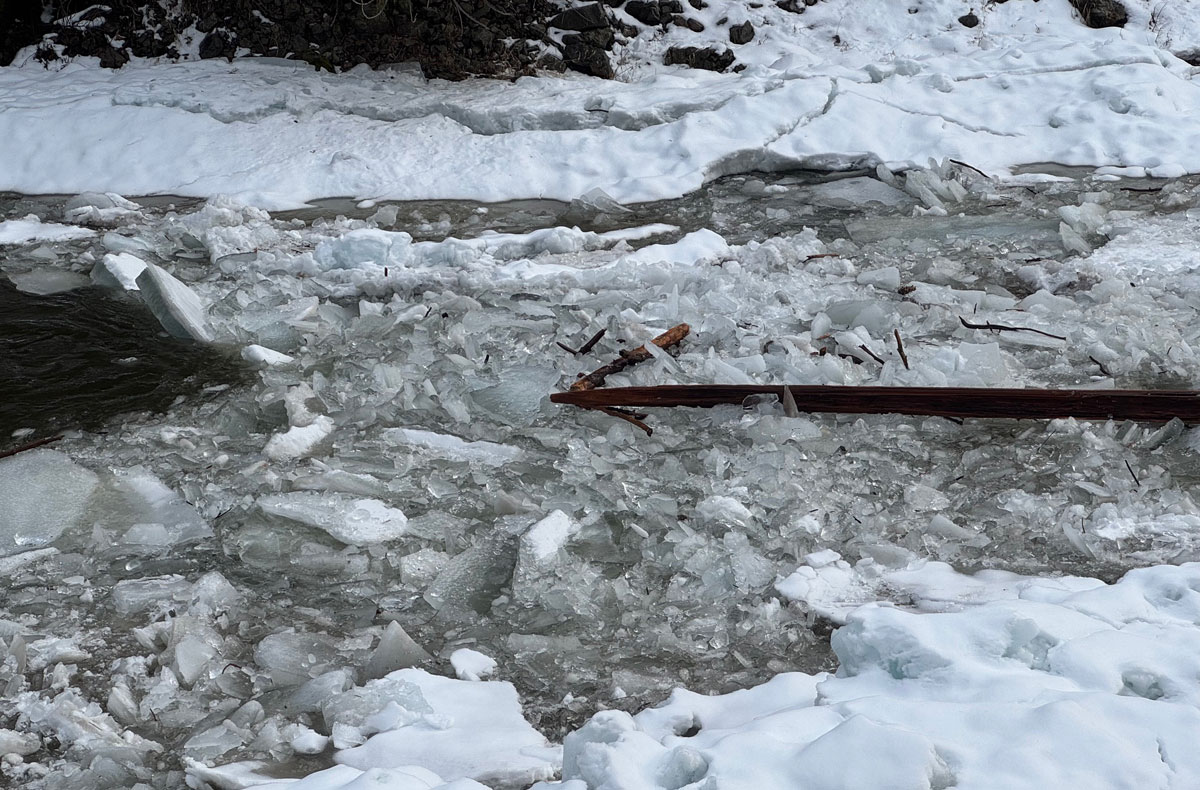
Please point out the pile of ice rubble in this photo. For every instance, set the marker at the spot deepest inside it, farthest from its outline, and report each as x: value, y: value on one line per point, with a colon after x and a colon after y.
x: 276, y: 582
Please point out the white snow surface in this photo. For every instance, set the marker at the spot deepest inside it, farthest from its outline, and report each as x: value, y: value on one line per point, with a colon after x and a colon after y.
x: 845, y: 83
x: 967, y: 699
x: 23, y: 231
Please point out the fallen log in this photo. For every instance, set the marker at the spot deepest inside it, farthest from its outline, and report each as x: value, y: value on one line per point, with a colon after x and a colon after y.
x: 596, y: 378
x: 956, y: 402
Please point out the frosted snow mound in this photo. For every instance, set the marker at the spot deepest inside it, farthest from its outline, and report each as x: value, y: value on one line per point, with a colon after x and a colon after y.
x: 1108, y: 675
x: 476, y: 731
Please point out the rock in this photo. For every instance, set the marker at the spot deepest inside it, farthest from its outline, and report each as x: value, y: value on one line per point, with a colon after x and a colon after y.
x: 741, y: 34
x: 217, y: 44
x: 113, y: 58
x: 586, y: 58
x: 587, y: 17
x: 791, y: 6
x: 670, y: 7
x: 969, y: 20
x: 699, y: 5
x: 1190, y: 57
x: 648, y: 12
x: 694, y: 25
x: 1101, y: 13
x: 708, y: 58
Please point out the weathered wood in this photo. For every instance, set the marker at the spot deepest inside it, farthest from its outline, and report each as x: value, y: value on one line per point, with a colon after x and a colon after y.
x: 974, y: 402
x: 627, y: 358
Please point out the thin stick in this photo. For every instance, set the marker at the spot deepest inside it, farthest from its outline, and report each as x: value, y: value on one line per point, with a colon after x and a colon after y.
x: 596, y: 378
x: 568, y: 349
x: 970, y: 402
x: 900, y: 348
x: 627, y: 417
x: 1100, y: 365
x: 30, y: 446
x: 874, y: 356
x: 1136, y: 482
x: 588, y: 346
x: 1003, y: 328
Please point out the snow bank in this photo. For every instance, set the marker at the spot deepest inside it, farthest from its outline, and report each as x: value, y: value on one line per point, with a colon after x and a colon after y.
x: 967, y: 699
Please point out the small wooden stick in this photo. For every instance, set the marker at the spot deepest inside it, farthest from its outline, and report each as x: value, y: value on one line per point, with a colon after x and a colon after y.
x: 874, y: 356
x: 627, y: 417
x: 900, y: 348
x: 596, y: 378
x: 30, y: 446
x: 970, y: 167
x: 588, y: 346
x: 1003, y: 328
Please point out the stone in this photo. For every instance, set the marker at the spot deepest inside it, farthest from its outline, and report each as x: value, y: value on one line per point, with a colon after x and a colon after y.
x: 217, y: 44
x: 648, y: 12
x: 1101, y: 13
x: 586, y: 17
x: 694, y: 25
x: 741, y: 34
x: 969, y: 20
x: 586, y: 58
x: 707, y: 58
x: 699, y: 5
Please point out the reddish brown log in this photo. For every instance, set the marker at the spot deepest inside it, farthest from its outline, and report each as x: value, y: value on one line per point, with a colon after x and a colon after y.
x: 627, y: 358
x: 975, y: 402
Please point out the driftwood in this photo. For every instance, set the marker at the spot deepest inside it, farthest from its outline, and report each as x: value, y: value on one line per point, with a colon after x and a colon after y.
x: 954, y: 402
x: 596, y: 378
x: 31, y: 446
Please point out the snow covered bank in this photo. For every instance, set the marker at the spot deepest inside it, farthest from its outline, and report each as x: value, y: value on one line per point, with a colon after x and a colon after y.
x: 1032, y: 85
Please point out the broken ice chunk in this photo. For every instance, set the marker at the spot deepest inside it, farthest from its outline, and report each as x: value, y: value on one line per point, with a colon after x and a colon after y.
x: 453, y: 448
x: 291, y: 658
x: 261, y: 356
x: 30, y: 228
x: 42, y: 493
x: 520, y: 395
x: 299, y: 441
x: 546, y: 537
x: 158, y: 516
x: 471, y: 664
x: 43, y: 282
x: 724, y: 510
x: 175, y: 305
x: 396, y: 650
x: 118, y: 271
x: 364, y: 247
x: 356, y: 522
x: 130, y: 596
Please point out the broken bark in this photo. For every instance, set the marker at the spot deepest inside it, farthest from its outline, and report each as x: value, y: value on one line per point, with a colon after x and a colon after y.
x: 969, y: 402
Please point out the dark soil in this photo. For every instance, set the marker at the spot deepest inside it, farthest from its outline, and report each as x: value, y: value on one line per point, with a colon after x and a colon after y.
x: 449, y: 38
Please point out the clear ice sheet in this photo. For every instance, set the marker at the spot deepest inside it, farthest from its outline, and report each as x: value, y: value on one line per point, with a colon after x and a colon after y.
x: 664, y: 572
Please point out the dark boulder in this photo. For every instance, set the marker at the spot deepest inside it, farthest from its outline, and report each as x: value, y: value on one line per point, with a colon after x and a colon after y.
x: 741, y: 34
x: 585, y: 17
x: 647, y: 12
x: 582, y: 56
x: 969, y: 20
x: 1101, y: 13
x: 708, y: 58
x: 217, y: 44
x: 694, y: 25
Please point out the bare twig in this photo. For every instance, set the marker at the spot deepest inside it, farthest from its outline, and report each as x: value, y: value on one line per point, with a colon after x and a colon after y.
x: 629, y: 418
x: 821, y: 255
x: 900, y: 349
x: 596, y: 378
x: 872, y: 354
x: 1100, y: 365
x: 30, y: 446
x: 1136, y: 482
x: 588, y: 346
x: 568, y: 349
x: 1002, y: 328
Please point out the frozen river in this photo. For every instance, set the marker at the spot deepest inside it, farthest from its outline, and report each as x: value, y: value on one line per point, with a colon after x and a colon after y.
x: 221, y: 569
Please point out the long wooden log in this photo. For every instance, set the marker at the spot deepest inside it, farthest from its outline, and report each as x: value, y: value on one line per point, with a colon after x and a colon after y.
x: 977, y: 402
